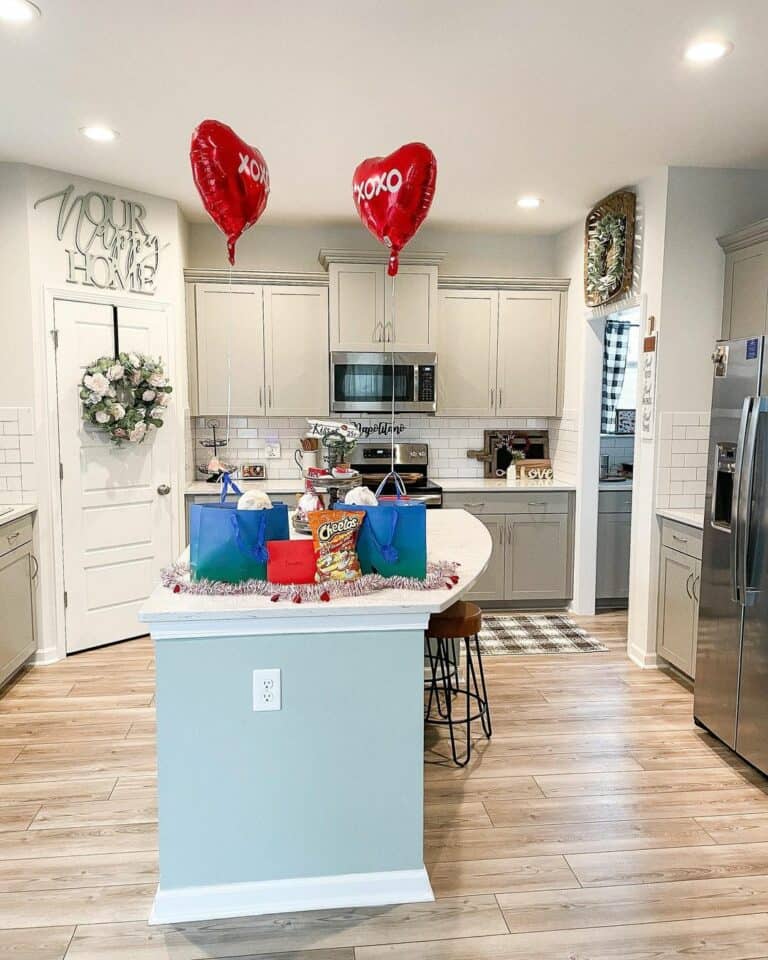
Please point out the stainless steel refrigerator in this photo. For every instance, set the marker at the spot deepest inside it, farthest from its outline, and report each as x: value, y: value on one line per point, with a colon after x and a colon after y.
x: 731, y: 689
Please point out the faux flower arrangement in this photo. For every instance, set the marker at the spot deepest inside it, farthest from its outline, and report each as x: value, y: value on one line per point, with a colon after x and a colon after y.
x: 126, y: 396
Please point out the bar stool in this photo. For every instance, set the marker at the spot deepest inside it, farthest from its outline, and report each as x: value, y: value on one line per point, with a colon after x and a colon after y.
x: 460, y: 622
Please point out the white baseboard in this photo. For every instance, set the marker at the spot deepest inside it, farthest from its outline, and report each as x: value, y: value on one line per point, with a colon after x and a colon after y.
x: 643, y: 658
x: 46, y: 655
x: 287, y: 896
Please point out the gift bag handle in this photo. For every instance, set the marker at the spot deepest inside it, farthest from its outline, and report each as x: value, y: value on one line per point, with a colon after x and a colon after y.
x: 259, y: 550
x: 227, y: 484
x: 387, y: 551
x: 398, y: 483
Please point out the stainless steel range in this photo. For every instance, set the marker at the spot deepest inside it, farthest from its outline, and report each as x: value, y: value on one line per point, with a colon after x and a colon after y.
x: 411, y: 462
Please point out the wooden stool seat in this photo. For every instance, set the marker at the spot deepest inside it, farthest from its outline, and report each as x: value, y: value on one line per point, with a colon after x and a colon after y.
x: 462, y: 619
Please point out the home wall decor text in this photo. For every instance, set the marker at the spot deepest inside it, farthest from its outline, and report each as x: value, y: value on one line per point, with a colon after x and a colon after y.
x: 108, y: 245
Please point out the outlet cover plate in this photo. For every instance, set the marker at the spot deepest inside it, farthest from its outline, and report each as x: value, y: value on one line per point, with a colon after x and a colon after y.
x: 272, y: 450
x: 267, y: 693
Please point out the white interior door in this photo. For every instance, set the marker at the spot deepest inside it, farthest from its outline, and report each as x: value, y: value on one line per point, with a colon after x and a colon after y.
x: 117, y: 526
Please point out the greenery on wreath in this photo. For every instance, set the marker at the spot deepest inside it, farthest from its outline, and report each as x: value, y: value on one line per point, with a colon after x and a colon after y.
x: 605, y: 255
x: 126, y: 396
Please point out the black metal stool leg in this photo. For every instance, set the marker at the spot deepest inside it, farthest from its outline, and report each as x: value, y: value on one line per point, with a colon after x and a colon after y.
x: 480, y: 694
x: 485, y: 717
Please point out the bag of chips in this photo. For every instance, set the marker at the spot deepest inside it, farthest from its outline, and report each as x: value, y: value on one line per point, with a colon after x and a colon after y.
x: 334, y: 533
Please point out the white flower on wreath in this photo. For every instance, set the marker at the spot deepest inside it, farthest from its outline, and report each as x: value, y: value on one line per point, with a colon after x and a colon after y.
x: 156, y: 413
x: 141, y: 412
x: 148, y: 396
x: 157, y: 380
x: 162, y: 399
x: 102, y: 416
x: 96, y: 383
x: 118, y: 411
x: 134, y: 360
x: 136, y: 378
x: 137, y: 434
x: 115, y: 372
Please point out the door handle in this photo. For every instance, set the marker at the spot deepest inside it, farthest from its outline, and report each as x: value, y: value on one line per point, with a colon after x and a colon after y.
x: 693, y: 588
x: 491, y: 398
x: 687, y: 586
x: 33, y: 558
x: 501, y: 401
x: 269, y: 395
x: 378, y: 335
x: 13, y: 537
x: 164, y: 489
x: 679, y: 539
x: 474, y: 506
x: 261, y: 397
x: 753, y: 407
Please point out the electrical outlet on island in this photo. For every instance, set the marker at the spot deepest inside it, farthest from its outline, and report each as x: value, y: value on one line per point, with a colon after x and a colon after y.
x: 267, y: 692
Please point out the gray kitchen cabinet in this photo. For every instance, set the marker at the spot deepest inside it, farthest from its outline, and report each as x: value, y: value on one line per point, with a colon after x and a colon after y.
x: 614, y: 535
x: 532, y: 531
x: 537, y: 559
x: 745, y: 298
x: 17, y: 625
x: 679, y: 583
x: 491, y: 585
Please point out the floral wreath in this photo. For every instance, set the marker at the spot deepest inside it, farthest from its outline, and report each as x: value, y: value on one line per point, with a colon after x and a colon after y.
x: 605, y: 255
x: 126, y: 396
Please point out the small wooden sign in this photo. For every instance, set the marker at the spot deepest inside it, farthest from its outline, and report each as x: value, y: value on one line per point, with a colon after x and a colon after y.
x: 535, y: 470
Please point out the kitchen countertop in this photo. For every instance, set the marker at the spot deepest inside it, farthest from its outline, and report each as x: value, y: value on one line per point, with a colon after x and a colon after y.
x: 691, y: 518
x: 17, y: 510
x: 449, y: 485
x: 616, y: 484
x: 451, y: 535
x: 201, y: 487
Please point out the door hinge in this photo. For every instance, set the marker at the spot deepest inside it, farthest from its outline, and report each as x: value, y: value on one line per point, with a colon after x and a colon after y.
x: 66, y: 600
x: 55, y: 338
x: 61, y: 470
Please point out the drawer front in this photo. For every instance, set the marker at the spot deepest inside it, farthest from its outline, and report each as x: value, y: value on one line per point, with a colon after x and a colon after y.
x: 677, y: 536
x: 528, y: 501
x: 615, y: 501
x: 15, y: 534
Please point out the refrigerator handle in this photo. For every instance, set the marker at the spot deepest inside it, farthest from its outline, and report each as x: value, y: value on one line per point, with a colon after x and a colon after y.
x: 744, y: 519
x: 736, y: 533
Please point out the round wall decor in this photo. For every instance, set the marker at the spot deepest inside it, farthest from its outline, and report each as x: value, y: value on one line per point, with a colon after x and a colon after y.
x: 125, y: 397
x: 608, y: 248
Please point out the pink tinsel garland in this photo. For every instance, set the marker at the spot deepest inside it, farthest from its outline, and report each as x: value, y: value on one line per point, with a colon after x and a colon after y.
x: 441, y: 575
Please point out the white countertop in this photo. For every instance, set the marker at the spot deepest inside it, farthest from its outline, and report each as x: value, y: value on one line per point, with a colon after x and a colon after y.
x: 453, y: 535
x: 16, y: 510
x: 484, y: 484
x: 449, y: 485
x: 616, y: 484
x: 691, y: 518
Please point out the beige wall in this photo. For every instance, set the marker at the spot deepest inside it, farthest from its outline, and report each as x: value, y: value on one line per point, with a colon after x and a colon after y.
x: 16, y: 383
x: 294, y: 249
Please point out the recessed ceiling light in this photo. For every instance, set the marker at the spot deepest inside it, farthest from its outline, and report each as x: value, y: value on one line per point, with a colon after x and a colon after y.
x: 707, y: 51
x: 18, y: 11
x: 98, y: 132
x: 529, y: 202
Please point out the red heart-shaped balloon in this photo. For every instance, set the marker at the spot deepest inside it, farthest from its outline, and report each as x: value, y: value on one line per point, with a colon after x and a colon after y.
x: 231, y: 177
x: 393, y: 195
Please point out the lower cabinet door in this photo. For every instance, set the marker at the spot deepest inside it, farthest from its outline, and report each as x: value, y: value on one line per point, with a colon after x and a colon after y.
x: 676, y: 629
x: 614, y: 534
x: 537, y: 557
x: 17, y: 631
x: 491, y: 584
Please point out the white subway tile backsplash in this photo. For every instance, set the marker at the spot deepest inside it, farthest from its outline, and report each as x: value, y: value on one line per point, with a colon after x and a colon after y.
x: 682, y: 465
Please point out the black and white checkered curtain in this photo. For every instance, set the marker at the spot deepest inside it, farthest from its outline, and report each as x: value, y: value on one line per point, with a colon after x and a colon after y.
x: 616, y: 346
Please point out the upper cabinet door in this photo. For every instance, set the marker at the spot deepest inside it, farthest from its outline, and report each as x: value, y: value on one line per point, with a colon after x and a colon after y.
x: 230, y: 338
x: 296, y: 346
x: 746, y: 292
x: 466, y: 352
x: 356, y: 306
x: 414, y: 294
x: 529, y: 354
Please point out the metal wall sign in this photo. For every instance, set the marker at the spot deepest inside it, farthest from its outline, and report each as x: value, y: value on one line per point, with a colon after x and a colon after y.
x: 108, y: 245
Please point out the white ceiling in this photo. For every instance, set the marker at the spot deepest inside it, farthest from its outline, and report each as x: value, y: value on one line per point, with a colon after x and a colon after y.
x: 567, y: 99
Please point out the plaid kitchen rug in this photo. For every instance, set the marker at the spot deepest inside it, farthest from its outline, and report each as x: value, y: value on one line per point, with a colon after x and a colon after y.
x: 521, y: 635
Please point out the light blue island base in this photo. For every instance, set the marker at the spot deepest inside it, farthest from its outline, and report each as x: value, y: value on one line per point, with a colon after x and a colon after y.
x: 318, y: 804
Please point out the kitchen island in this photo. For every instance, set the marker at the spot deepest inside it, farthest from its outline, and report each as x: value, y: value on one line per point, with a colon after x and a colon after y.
x: 319, y: 803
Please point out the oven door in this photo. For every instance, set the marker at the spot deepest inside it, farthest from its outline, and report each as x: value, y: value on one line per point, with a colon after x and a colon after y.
x: 362, y: 383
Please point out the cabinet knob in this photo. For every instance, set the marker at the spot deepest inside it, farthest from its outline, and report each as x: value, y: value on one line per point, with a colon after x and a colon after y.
x: 164, y: 489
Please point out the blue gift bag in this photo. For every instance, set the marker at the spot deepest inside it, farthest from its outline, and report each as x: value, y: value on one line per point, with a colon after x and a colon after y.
x: 393, y: 538
x: 230, y: 545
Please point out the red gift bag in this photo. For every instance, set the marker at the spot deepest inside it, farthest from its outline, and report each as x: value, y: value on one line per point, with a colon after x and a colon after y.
x: 291, y: 561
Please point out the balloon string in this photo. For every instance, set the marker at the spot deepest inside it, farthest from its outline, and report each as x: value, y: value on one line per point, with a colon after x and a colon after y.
x: 229, y: 352
x: 392, y: 353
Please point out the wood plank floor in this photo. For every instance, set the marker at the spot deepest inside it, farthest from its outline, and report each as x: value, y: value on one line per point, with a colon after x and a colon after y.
x: 597, y: 824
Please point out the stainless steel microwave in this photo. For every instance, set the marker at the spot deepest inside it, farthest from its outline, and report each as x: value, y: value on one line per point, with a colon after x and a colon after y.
x: 362, y: 382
